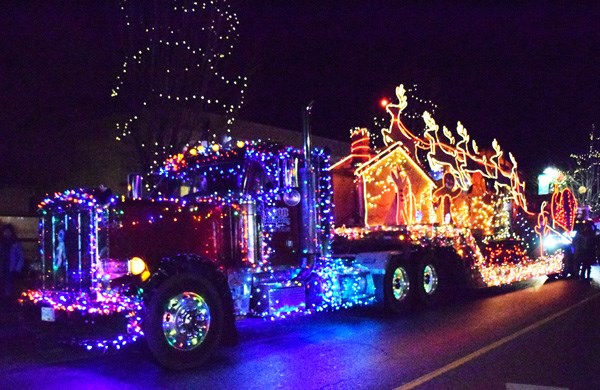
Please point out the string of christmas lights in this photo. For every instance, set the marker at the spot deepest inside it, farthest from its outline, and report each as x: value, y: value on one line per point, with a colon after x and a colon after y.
x: 177, y: 65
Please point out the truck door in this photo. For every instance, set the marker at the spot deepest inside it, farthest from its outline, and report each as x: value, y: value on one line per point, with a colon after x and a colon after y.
x: 281, y: 220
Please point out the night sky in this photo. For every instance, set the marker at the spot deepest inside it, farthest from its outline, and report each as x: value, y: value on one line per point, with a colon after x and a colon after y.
x: 525, y: 74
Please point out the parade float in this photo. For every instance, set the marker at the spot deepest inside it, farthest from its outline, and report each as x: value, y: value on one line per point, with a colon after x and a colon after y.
x: 255, y: 229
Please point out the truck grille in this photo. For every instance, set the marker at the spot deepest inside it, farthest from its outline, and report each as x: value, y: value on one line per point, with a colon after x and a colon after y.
x: 68, y: 249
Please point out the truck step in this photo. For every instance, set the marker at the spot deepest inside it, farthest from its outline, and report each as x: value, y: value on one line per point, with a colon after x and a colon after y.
x: 279, y: 300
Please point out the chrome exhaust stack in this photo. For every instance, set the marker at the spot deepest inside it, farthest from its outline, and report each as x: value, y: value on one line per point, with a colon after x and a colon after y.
x: 135, y: 186
x: 309, y: 239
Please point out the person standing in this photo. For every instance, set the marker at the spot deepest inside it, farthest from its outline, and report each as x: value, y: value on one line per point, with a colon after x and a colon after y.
x: 585, y: 251
x: 12, y: 262
x: 590, y: 251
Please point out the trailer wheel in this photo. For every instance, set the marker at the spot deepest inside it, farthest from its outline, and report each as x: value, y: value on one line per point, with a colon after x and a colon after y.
x: 431, y: 281
x: 184, y: 322
x: 397, y: 288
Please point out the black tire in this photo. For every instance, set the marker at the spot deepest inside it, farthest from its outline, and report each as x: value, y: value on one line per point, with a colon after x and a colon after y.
x: 398, y: 286
x: 432, y: 282
x: 184, y: 322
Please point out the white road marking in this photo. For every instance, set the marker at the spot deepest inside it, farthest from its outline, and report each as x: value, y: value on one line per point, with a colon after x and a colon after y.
x: 457, y: 363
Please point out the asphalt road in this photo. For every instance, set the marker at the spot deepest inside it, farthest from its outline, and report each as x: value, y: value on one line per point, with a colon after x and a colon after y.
x: 541, y: 335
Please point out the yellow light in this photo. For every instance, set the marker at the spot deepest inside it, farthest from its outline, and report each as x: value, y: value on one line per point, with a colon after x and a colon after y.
x: 136, y: 266
x: 193, y: 152
x: 215, y: 147
x: 240, y: 144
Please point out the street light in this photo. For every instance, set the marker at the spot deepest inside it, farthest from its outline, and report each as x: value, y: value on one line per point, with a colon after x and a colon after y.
x: 547, y: 179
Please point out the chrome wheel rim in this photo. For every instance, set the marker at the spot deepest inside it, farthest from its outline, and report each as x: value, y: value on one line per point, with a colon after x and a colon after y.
x: 400, y: 284
x: 186, y: 321
x: 430, y: 279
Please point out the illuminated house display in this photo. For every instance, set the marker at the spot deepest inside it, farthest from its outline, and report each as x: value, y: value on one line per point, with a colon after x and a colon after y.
x: 432, y: 179
x: 442, y: 179
x: 397, y: 190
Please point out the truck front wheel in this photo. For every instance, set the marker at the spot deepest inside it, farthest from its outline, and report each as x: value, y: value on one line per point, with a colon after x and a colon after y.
x: 184, y: 322
x: 398, y: 287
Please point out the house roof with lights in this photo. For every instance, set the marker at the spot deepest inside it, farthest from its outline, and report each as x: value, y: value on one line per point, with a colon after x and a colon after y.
x: 394, y: 152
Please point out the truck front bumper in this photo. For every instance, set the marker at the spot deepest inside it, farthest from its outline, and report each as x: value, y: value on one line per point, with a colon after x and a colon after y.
x: 86, y: 318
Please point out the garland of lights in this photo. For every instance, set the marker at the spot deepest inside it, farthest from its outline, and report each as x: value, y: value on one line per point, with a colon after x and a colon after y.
x: 107, y: 302
x: 81, y: 197
x: 505, y: 264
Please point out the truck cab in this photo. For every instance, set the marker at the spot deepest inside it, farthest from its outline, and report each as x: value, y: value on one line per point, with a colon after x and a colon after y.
x: 223, y: 233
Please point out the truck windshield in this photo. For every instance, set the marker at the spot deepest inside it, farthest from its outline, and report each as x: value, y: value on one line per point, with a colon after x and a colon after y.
x: 222, y: 179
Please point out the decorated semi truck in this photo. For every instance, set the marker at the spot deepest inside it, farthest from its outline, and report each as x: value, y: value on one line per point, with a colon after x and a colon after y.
x: 256, y: 229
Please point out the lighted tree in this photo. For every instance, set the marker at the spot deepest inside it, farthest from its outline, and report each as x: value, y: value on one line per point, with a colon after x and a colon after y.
x: 584, y: 178
x: 176, y: 75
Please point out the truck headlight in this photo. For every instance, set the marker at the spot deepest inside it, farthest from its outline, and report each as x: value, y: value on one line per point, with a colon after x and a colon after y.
x: 137, y: 266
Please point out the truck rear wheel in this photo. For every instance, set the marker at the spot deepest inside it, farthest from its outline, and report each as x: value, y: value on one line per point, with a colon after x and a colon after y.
x: 184, y: 322
x: 398, y: 287
x: 431, y: 281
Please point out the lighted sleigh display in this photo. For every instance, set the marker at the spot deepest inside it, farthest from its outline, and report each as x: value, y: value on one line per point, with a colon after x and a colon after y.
x: 441, y: 184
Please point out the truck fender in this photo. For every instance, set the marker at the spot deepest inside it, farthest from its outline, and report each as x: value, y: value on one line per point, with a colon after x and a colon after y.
x: 455, y: 268
x: 197, y: 265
